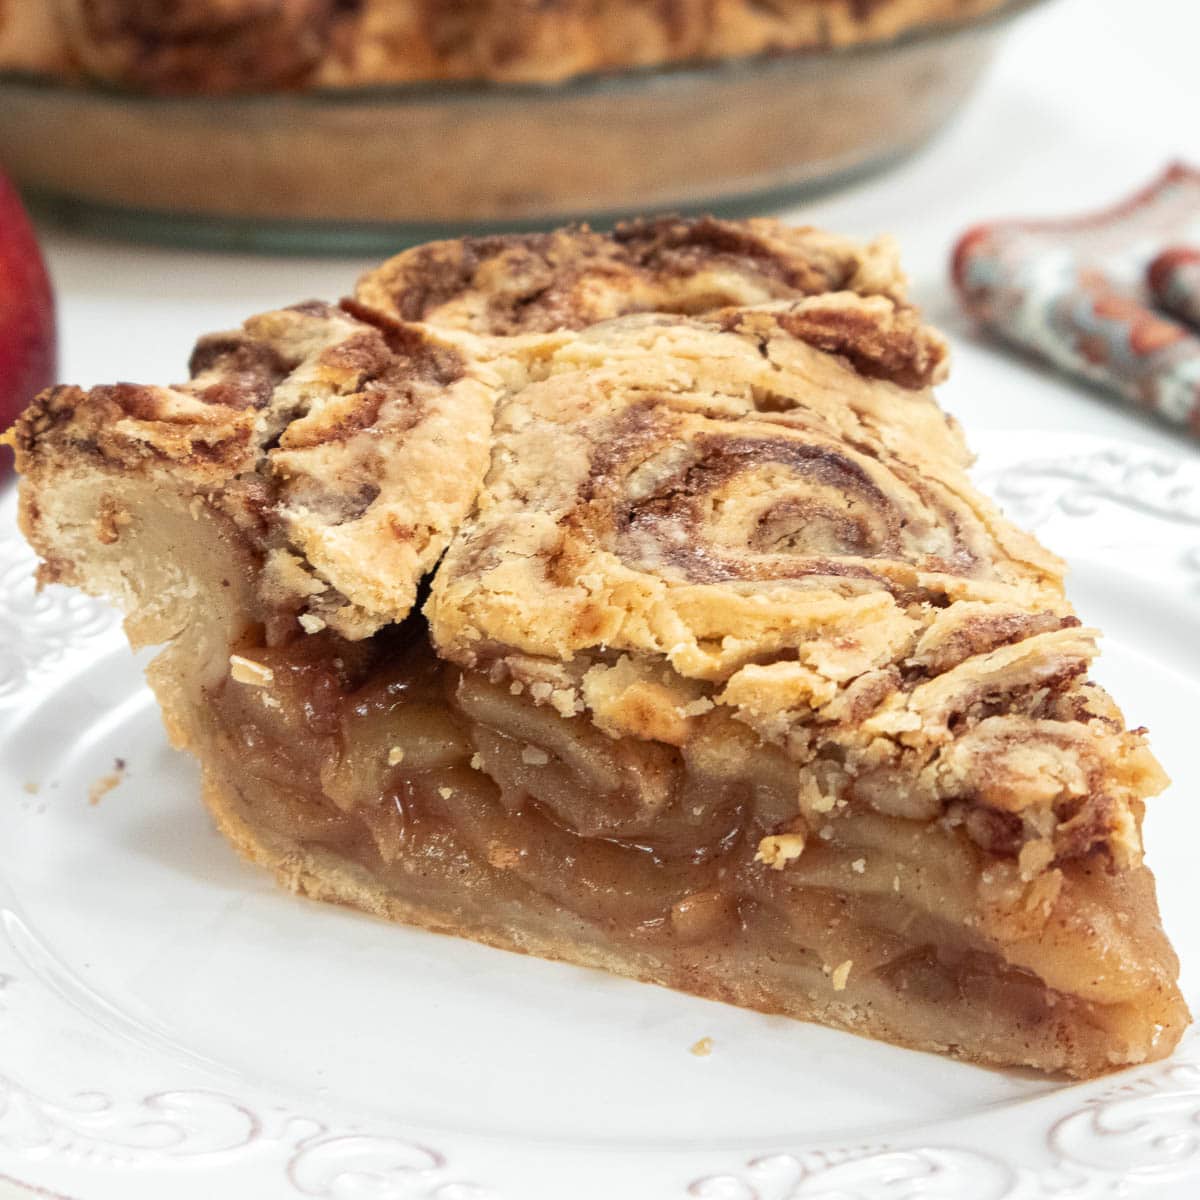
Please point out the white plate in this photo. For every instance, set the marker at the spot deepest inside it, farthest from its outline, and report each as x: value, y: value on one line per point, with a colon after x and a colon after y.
x: 172, y: 1025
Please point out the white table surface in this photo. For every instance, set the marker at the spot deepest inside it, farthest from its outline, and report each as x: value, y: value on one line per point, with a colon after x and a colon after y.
x: 1088, y: 100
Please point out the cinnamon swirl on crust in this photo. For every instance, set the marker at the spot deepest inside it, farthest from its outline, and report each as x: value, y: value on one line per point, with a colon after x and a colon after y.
x: 727, y: 677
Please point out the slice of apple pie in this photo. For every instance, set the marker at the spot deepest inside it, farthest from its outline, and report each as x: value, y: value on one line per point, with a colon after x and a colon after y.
x: 624, y: 600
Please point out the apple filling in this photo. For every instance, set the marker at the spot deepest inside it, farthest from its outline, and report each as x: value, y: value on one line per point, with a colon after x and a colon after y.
x: 466, y: 797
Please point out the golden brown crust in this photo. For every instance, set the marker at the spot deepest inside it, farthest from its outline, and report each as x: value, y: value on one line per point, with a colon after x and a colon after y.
x: 573, y: 278
x: 525, y: 41
x: 197, y: 46
x: 32, y: 38
x: 761, y: 524
x: 213, y: 46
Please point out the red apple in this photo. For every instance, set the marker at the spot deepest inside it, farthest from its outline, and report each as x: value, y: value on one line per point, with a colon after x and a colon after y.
x: 28, y: 341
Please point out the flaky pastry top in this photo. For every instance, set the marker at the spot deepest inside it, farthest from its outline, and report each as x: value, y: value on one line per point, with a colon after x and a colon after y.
x: 687, y: 477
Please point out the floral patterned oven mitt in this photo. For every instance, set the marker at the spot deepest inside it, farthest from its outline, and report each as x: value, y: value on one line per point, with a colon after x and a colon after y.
x: 1113, y: 297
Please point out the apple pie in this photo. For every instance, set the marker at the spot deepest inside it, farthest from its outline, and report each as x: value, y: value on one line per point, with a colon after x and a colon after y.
x: 623, y: 599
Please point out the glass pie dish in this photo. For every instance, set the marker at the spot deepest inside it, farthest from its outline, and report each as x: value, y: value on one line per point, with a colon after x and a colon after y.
x: 365, y: 170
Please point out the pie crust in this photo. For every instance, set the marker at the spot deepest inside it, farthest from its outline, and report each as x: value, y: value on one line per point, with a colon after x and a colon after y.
x: 624, y: 600
x: 218, y: 46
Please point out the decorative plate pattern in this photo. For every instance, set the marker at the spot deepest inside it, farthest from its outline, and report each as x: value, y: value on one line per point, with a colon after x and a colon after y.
x: 1130, y: 1140
x: 39, y: 628
x: 98, y: 1100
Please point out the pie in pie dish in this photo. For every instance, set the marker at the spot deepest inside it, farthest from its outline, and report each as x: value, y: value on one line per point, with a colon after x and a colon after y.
x: 218, y: 46
x: 624, y: 600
